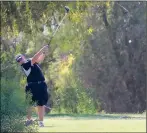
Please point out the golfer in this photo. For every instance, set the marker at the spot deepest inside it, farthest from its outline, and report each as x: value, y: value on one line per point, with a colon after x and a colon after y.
x: 36, y: 84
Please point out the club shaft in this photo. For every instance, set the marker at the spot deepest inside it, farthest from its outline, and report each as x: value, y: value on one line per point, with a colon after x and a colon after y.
x: 57, y: 29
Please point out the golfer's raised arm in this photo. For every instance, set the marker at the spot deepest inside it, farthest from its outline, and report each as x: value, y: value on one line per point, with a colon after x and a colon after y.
x: 39, y: 56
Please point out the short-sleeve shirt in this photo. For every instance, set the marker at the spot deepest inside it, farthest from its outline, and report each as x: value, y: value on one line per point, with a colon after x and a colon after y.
x: 33, y: 72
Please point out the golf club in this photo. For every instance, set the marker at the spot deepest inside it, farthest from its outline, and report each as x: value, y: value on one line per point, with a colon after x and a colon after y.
x: 66, y: 12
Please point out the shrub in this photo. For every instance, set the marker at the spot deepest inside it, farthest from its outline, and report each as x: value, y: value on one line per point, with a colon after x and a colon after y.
x: 13, y: 107
x: 74, y: 100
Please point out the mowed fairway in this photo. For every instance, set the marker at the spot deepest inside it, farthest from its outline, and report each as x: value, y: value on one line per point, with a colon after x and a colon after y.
x: 93, y: 124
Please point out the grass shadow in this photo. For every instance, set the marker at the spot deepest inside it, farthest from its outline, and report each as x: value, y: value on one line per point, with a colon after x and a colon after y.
x: 95, y: 116
x: 49, y: 126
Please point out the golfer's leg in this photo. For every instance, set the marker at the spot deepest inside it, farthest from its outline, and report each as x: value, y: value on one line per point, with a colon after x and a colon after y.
x: 36, y: 110
x: 29, y: 113
x: 40, y: 112
x: 42, y: 100
x: 29, y: 120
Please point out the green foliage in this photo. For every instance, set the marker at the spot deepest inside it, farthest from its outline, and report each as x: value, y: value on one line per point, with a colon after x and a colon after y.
x: 85, y: 103
x: 74, y: 100
x: 13, y: 107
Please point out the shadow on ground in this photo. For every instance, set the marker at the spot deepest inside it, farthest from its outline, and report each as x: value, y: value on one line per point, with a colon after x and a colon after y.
x: 96, y: 116
x: 49, y: 126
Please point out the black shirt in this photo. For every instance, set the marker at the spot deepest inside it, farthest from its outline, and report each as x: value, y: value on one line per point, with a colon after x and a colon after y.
x: 33, y: 72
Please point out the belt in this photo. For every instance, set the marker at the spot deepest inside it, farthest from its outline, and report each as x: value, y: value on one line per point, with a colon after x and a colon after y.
x: 38, y: 82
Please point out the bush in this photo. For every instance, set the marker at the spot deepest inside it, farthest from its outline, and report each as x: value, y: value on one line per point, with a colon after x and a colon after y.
x: 13, y: 107
x: 74, y: 100
x: 85, y: 103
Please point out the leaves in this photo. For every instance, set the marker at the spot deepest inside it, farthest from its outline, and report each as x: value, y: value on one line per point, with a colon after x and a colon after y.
x: 90, y: 30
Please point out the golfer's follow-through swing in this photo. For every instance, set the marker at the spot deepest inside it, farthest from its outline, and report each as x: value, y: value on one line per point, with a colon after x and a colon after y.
x: 36, y: 85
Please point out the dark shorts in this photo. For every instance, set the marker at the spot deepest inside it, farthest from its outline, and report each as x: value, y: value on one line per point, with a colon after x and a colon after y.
x: 38, y: 93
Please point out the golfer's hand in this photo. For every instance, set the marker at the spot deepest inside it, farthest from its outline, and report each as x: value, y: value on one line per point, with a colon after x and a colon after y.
x: 45, y: 47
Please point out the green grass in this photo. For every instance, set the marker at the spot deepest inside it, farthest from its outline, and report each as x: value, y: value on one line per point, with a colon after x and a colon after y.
x: 94, y: 123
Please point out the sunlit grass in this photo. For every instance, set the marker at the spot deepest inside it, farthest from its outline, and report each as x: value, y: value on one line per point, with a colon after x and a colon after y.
x: 94, y: 123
